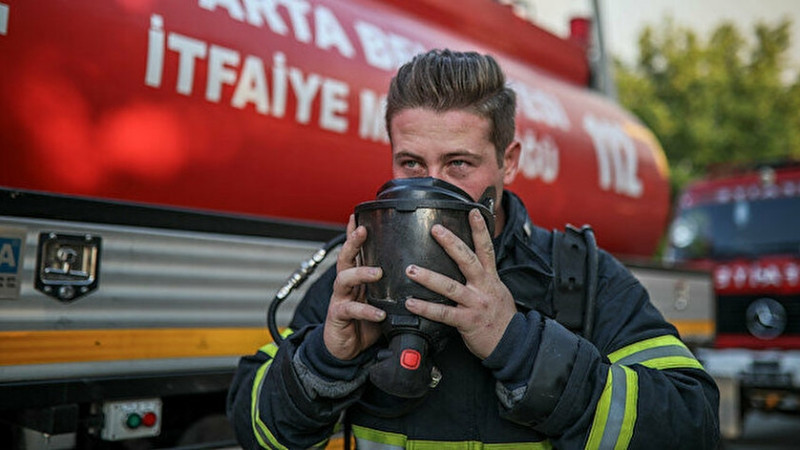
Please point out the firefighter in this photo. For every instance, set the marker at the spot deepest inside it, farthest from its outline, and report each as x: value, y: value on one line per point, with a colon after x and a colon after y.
x: 516, y: 377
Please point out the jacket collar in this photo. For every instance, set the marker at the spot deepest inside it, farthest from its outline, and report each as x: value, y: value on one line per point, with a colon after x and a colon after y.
x: 523, y: 254
x: 518, y: 225
x: 519, y: 231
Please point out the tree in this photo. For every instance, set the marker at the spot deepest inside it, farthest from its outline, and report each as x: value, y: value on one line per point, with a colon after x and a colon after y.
x: 722, y: 100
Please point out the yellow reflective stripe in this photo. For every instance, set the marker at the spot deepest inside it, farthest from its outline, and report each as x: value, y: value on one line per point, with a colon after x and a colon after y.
x: 672, y: 362
x: 660, y: 341
x: 631, y: 402
x: 259, y: 427
x: 381, y: 437
x: 600, y: 415
x: 384, y: 440
x: 271, y: 348
x: 615, y: 416
x: 663, y: 352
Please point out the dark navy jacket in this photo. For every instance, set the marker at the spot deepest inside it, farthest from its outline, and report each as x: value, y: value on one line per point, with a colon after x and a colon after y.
x: 631, y: 384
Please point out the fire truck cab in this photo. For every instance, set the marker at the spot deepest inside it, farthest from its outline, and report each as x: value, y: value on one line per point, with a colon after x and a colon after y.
x: 743, y: 226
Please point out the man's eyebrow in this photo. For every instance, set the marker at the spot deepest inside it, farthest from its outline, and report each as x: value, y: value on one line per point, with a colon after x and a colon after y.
x: 461, y: 154
x: 444, y: 156
x: 404, y: 154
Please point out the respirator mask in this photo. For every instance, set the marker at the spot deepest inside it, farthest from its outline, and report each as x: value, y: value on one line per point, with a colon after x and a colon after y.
x: 398, y: 224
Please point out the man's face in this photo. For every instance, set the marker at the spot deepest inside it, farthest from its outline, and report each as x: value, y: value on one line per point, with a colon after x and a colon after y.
x: 453, y: 146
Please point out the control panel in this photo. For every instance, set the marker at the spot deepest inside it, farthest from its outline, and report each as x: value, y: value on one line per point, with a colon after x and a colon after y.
x: 131, y: 419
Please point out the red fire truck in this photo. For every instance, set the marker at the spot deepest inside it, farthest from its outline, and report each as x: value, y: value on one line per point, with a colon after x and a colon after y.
x: 166, y: 165
x: 744, y: 225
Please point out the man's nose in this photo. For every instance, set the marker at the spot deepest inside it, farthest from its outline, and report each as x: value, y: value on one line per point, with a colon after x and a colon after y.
x: 435, y: 172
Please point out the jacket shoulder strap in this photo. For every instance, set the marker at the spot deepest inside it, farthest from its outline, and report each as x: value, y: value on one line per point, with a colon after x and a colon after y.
x: 575, y: 278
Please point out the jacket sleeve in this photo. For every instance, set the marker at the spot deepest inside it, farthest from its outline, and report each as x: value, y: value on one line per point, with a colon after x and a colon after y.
x: 633, y: 384
x: 293, y: 395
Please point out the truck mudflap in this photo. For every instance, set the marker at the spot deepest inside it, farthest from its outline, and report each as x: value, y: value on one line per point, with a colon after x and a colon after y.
x: 762, y: 380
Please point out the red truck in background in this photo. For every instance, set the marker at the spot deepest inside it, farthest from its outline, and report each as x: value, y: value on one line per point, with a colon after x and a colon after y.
x: 166, y: 165
x: 744, y: 225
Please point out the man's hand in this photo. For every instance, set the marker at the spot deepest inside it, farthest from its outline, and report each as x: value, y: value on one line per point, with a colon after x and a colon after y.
x: 484, y: 305
x: 351, y: 324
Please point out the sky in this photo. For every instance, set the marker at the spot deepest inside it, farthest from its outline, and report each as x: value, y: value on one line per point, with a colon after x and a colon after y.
x: 623, y: 20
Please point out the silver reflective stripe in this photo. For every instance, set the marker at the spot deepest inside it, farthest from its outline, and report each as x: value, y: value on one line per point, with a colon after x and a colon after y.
x: 616, y: 410
x: 363, y: 444
x: 653, y: 353
x: 615, y: 415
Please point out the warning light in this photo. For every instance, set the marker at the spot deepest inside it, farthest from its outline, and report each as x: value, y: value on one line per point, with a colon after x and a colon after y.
x: 149, y: 419
x: 133, y: 421
x: 410, y: 359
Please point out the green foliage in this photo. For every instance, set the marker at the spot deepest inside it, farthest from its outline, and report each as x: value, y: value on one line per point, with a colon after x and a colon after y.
x: 717, y: 100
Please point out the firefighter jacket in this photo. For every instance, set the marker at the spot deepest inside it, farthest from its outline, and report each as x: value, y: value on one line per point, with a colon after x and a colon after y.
x: 631, y: 383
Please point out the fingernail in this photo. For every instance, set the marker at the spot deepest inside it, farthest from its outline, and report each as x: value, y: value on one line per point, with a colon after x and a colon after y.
x: 380, y: 314
x: 438, y: 230
x: 412, y: 269
x: 375, y: 272
x: 475, y: 215
x: 411, y: 302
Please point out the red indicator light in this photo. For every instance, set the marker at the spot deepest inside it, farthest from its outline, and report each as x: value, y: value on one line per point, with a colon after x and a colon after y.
x: 410, y: 359
x: 149, y: 419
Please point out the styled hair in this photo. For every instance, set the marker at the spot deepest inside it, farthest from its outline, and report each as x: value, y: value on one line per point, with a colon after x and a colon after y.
x: 445, y: 80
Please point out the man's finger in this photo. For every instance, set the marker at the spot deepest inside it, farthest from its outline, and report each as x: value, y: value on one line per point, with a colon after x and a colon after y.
x: 484, y: 247
x: 439, y: 284
x: 352, y: 245
x: 459, y: 251
x: 348, y: 279
x: 349, y: 311
x: 436, y: 312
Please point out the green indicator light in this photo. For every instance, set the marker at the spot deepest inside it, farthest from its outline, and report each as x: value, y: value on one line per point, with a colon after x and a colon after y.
x: 133, y: 420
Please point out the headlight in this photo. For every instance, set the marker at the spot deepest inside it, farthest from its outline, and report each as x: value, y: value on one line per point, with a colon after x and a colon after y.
x: 683, y: 233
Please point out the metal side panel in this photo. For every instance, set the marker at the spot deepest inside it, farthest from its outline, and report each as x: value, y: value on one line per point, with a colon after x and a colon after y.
x: 685, y: 298
x: 165, y: 300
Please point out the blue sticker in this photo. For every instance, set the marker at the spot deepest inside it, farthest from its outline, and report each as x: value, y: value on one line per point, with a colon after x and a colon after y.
x: 9, y: 255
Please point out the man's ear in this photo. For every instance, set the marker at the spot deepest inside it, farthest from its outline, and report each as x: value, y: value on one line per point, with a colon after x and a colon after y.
x: 511, y: 162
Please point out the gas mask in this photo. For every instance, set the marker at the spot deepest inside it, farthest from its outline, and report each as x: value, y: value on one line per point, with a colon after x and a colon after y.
x: 398, y: 224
